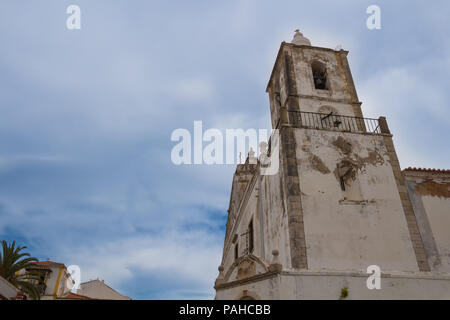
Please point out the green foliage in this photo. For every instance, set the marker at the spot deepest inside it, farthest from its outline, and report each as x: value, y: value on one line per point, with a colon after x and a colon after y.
x: 12, y: 260
x: 344, y: 293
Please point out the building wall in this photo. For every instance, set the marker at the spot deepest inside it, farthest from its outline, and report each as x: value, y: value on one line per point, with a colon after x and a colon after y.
x: 430, y: 195
x: 265, y: 289
x: 55, y: 283
x: 438, y: 212
x: 292, y: 79
x: 393, y: 286
x: 275, y: 216
x: 364, y: 225
x: 304, y: 56
x: 309, y: 285
x: 322, y: 229
x: 248, y: 212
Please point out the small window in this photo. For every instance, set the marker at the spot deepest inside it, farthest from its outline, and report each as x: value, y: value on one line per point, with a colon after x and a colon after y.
x: 250, y: 237
x: 319, y: 73
x: 236, y: 251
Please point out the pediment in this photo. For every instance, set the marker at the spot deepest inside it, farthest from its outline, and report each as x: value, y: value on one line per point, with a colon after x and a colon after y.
x: 245, y: 267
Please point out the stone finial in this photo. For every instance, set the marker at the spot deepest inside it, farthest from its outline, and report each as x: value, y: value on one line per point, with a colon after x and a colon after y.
x: 220, y: 268
x: 251, y: 157
x: 263, y: 157
x: 220, y: 277
x: 275, y: 254
x: 300, y: 40
x: 275, y: 265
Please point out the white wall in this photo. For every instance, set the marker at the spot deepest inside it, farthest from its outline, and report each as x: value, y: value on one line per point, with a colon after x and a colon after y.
x: 307, y: 285
x: 349, y: 235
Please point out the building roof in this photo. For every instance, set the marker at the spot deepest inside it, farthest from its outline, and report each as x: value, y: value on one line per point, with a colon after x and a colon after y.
x: 49, y: 263
x: 74, y: 296
x: 98, y: 289
x: 427, y: 170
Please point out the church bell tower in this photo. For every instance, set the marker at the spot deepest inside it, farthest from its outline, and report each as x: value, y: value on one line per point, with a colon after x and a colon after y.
x: 338, y: 204
x: 345, y: 193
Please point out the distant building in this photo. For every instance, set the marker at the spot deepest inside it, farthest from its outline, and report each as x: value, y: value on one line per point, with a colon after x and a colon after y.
x: 74, y: 296
x: 98, y: 289
x: 429, y: 191
x: 53, y: 279
x: 55, y: 282
x: 10, y: 292
x: 339, y: 202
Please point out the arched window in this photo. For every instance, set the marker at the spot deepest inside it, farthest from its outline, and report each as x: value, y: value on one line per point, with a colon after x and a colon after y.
x: 319, y: 72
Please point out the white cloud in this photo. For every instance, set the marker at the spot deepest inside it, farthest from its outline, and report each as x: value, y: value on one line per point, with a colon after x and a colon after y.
x: 186, y: 255
x: 195, y: 89
x: 407, y: 97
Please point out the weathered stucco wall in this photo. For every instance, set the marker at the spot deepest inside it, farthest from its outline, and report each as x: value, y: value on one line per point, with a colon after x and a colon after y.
x: 274, y: 223
x: 438, y: 212
x: 309, y: 285
x: 430, y: 195
x: 303, y: 57
x: 238, y: 228
x: 292, y: 78
x: 275, y: 216
x: 364, y: 225
x: 265, y: 289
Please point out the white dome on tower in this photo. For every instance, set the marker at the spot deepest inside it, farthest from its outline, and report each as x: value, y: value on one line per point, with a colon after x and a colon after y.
x: 300, y: 40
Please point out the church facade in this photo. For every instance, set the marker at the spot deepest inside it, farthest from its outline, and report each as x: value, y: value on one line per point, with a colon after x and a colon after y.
x: 339, y: 203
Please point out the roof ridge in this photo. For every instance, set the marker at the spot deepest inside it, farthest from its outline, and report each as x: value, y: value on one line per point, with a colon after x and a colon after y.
x: 427, y: 170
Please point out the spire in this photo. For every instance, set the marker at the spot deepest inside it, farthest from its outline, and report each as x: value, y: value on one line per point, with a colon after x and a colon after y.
x: 300, y: 40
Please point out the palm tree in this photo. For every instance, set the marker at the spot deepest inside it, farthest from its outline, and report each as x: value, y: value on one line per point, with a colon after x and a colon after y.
x: 13, y: 260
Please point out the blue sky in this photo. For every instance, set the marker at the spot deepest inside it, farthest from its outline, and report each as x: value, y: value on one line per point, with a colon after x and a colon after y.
x: 86, y: 117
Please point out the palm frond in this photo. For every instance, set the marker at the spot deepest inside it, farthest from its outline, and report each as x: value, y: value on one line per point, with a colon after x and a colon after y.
x: 30, y: 289
x: 12, y: 261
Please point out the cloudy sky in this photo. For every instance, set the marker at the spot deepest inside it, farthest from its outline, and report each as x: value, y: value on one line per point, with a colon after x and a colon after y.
x: 86, y: 118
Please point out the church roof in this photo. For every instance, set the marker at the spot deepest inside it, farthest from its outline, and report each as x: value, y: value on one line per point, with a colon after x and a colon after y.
x: 427, y: 170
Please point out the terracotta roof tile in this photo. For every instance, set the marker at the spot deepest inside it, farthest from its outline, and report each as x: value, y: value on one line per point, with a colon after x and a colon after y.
x: 426, y: 170
x: 42, y: 264
x: 74, y: 296
x: 49, y: 262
